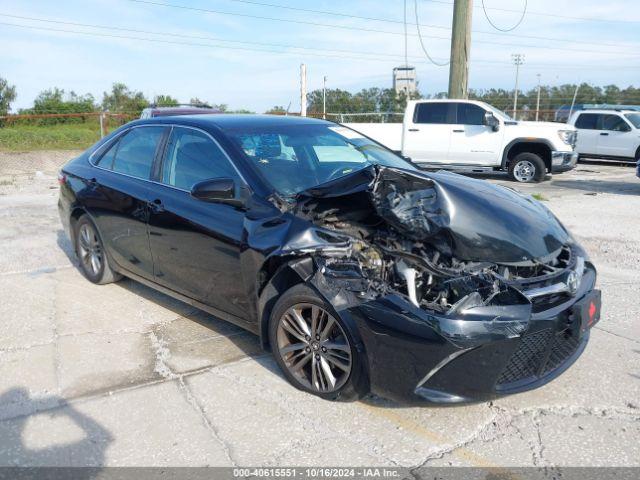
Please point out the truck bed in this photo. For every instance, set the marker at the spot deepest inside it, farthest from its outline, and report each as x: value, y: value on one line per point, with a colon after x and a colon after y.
x: 388, y: 134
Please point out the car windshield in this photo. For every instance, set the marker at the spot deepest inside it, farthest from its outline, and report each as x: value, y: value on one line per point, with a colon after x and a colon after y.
x: 634, y: 118
x: 293, y: 158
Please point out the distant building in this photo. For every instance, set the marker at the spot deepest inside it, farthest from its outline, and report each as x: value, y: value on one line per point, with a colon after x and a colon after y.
x: 404, y: 79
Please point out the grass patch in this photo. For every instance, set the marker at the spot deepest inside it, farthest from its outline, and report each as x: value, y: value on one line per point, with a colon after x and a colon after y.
x: 24, y: 138
x: 540, y: 197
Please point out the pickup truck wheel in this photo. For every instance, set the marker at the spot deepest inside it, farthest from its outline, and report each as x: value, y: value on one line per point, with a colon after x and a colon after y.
x: 527, y: 168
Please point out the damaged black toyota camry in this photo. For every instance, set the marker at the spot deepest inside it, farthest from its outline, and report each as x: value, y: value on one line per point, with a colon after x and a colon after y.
x: 358, y: 271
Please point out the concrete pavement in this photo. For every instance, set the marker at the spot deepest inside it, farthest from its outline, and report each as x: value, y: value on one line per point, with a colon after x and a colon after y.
x: 121, y: 375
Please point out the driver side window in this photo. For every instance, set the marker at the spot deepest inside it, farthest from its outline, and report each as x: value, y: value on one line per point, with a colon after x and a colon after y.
x: 615, y: 123
x: 191, y: 157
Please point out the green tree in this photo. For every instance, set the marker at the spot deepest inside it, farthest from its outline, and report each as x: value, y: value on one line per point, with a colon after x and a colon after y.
x: 56, y: 100
x: 200, y: 103
x: 368, y: 100
x: 123, y: 100
x: 277, y: 110
x: 223, y: 107
x: 7, y: 96
x: 165, y: 101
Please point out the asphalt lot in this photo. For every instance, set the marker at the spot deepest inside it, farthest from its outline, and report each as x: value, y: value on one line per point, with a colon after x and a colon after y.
x: 120, y: 375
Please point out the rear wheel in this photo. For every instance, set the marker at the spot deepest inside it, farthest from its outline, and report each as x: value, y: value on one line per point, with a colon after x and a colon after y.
x: 527, y: 168
x: 90, y: 250
x: 313, y: 347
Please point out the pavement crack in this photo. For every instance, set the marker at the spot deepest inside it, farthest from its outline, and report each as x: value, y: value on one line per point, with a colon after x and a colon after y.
x: 616, y: 334
x: 163, y: 354
x: 193, y: 401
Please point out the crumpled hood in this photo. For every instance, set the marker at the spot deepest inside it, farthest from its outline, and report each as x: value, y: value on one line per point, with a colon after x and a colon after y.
x: 481, y: 222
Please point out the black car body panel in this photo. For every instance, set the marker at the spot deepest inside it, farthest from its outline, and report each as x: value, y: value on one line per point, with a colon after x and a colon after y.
x: 445, y: 294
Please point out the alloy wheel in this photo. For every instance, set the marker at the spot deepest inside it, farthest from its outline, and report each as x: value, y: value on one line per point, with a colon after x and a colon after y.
x: 524, y: 171
x: 90, y: 249
x: 314, y: 347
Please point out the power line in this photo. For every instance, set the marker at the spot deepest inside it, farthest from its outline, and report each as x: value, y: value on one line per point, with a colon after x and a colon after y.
x: 524, y: 13
x: 542, y: 14
x: 358, y: 57
x: 378, y: 19
x: 424, y: 49
x: 385, y: 32
x: 218, y: 39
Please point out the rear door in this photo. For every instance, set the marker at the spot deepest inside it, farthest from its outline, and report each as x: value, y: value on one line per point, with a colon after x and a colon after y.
x: 196, y: 245
x: 118, y: 195
x: 588, y: 133
x: 615, y: 137
x: 473, y: 142
x: 427, y: 134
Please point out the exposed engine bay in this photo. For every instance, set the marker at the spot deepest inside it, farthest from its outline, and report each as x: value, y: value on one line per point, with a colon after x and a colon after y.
x: 420, y: 236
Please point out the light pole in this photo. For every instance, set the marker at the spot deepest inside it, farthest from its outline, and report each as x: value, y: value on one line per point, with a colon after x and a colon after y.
x: 518, y: 59
x: 324, y: 97
x: 538, y: 102
x: 303, y: 90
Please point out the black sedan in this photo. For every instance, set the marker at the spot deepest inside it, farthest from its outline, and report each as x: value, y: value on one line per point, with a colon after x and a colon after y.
x: 359, y: 272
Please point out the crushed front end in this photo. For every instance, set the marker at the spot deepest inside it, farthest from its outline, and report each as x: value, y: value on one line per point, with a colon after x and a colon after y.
x: 458, y: 290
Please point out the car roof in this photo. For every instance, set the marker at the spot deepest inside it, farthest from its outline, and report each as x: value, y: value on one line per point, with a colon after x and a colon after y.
x: 231, y: 121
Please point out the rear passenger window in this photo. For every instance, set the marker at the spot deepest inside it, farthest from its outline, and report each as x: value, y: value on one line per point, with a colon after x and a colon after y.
x: 442, y: 113
x: 587, y: 121
x: 191, y: 157
x: 134, y: 152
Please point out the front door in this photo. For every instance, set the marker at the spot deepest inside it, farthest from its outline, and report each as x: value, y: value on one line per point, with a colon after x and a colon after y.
x: 473, y: 142
x: 196, y: 245
x: 615, y: 137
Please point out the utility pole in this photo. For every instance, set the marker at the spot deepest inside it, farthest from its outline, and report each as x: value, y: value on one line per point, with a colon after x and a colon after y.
x: 518, y: 59
x: 538, y: 102
x: 303, y: 90
x: 460, y: 49
x: 324, y: 97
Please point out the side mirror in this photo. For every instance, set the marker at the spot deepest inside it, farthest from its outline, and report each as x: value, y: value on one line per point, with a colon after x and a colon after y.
x: 217, y: 190
x: 491, y: 121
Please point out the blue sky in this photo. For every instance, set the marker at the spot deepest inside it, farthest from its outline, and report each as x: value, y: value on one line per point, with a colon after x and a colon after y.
x: 353, y: 54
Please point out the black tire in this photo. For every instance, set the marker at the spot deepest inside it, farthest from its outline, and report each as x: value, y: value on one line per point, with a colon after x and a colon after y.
x: 353, y: 385
x: 527, y: 167
x: 92, y: 257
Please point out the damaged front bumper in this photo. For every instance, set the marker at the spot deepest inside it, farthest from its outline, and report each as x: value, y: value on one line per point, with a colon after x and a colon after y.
x: 413, y: 356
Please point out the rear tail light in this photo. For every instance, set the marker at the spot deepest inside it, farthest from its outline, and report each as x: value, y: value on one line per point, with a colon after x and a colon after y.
x: 62, y: 178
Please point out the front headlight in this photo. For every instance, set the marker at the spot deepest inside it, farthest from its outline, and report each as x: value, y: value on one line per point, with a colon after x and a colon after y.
x: 567, y: 136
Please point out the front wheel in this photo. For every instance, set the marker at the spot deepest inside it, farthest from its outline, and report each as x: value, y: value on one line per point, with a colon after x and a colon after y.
x: 313, y: 347
x: 527, y: 168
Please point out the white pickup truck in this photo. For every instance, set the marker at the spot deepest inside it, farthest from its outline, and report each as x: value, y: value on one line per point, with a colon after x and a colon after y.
x: 474, y: 136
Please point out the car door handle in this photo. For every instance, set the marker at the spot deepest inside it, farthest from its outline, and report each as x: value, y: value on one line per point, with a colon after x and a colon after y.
x: 604, y: 134
x: 458, y: 131
x: 414, y: 129
x: 156, y: 206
